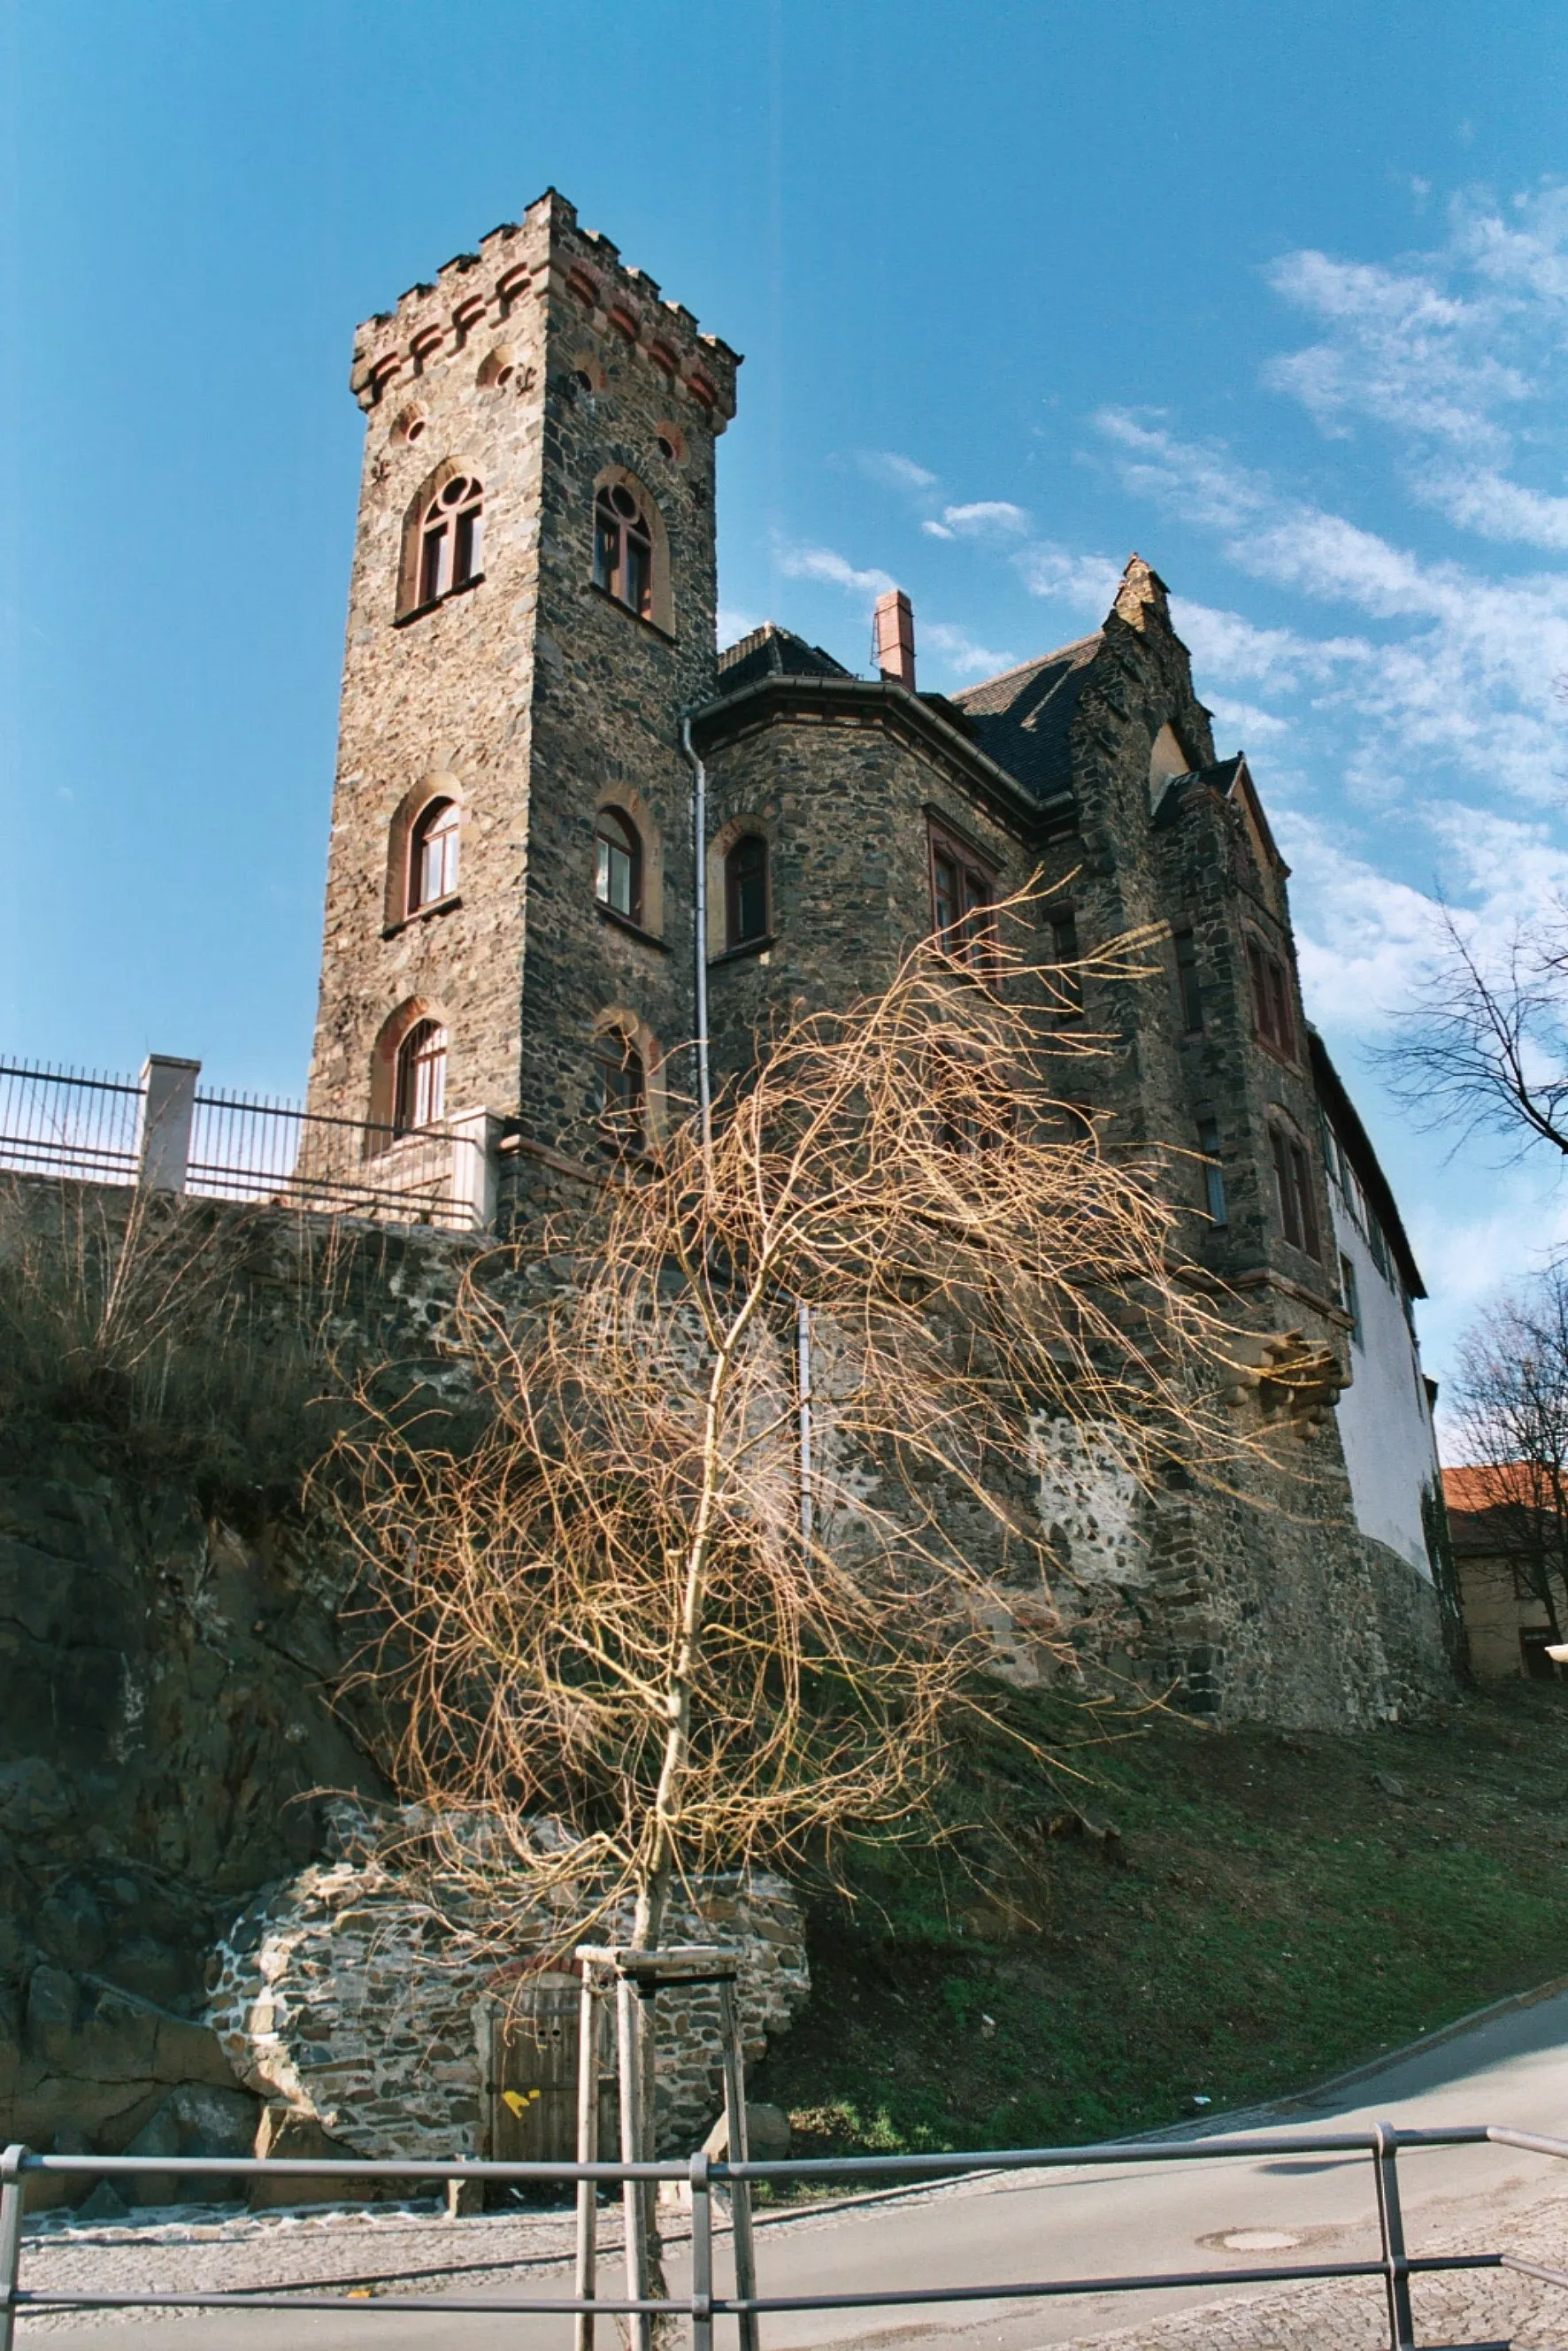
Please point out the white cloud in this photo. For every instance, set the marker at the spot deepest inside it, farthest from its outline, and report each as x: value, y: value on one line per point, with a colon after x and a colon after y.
x: 733, y: 624
x: 826, y: 563
x: 1459, y: 352
x: 1245, y: 721
x: 894, y: 472
x: 1087, y: 582
x: 1228, y: 646
x: 1465, y: 678
x: 963, y: 653
x: 987, y: 517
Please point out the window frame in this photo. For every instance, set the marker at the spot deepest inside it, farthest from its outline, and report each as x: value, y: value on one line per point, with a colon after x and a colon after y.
x: 1190, y: 985
x: 424, y: 1047
x: 1061, y: 924
x: 631, y: 849
x: 1209, y: 1145
x: 610, y: 569
x: 734, y: 883
x: 444, y: 543
x: 969, y: 935
x: 1273, y: 995
x: 1293, y: 1184
x: 623, y: 1130
x: 440, y: 818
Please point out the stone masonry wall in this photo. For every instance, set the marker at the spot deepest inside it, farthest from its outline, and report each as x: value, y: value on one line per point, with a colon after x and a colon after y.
x: 343, y: 1994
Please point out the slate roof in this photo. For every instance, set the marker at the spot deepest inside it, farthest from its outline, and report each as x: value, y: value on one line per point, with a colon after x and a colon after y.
x: 1022, y: 717
x: 773, y: 652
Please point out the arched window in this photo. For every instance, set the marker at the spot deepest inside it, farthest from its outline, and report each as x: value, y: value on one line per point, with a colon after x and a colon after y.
x: 450, y: 538
x: 746, y: 891
x: 617, y: 864
x: 623, y: 549
x: 433, y: 856
x: 622, y: 1090
x: 419, y: 1096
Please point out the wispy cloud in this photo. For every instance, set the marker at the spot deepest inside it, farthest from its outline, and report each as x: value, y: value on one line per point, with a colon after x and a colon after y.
x: 985, y: 518
x: 1088, y: 583
x: 960, y: 650
x: 826, y: 563
x: 894, y: 471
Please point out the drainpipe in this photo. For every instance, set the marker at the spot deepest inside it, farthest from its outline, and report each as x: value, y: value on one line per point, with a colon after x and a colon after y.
x: 699, y: 863
x: 803, y: 1375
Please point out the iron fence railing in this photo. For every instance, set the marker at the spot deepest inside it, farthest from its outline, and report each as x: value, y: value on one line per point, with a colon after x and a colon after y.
x: 70, y: 1122
x: 164, y: 1132
x: 1393, y: 2268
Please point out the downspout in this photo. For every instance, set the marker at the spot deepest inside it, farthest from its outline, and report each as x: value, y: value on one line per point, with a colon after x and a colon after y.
x: 699, y: 895
x: 705, y: 1097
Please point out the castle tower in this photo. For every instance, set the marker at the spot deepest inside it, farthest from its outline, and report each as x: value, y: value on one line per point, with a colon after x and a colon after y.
x: 531, y: 611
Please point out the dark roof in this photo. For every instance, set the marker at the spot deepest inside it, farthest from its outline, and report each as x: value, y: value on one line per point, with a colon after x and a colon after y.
x: 773, y: 652
x: 1352, y: 1138
x: 1022, y: 717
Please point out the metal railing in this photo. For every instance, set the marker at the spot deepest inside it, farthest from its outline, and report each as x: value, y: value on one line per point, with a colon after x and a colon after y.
x: 1394, y: 2267
x: 164, y: 1133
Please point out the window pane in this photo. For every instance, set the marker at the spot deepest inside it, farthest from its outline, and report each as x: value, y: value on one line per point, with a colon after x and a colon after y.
x: 637, y: 573
x: 606, y: 550
x: 944, y: 891
x: 1063, y: 928
x: 1213, y: 1176
x: 618, y: 879
x: 1187, y: 982
x: 1284, y: 1027
x: 432, y: 577
x: 465, y: 557
x: 1262, y: 1008
x: 1288, y: 1218
x: 748, y: 890
x: 1306, y: 1212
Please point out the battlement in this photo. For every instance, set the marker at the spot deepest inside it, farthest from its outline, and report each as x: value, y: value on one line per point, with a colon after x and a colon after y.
x: 545, y: 254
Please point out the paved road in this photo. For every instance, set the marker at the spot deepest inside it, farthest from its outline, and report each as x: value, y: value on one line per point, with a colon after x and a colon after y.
x: 1511, y: 2068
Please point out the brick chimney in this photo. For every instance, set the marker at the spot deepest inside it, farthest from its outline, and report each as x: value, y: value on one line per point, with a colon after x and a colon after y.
x: 892, y: 625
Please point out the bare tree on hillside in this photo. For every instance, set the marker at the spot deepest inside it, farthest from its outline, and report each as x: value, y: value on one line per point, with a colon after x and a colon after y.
x: 1511, y: 1400
x: 632, y: 1605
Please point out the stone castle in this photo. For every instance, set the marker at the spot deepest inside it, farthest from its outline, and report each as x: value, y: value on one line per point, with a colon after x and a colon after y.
x: 531, y: 679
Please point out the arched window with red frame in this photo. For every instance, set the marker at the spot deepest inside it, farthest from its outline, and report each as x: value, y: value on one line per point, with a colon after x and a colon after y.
x: 450, y: 540
x: 617, y: 863
x: 622, y: 1088
x: 433, y: 855
x: 623, y: 549
x: 419, y: 1098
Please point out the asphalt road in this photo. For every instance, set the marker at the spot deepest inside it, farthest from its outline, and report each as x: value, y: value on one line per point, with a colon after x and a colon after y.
x: 1511, y: 2068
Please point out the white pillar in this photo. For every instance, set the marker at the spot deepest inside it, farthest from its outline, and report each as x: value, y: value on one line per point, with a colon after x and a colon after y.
x: 474, y: 1167
x: 168, y: 1109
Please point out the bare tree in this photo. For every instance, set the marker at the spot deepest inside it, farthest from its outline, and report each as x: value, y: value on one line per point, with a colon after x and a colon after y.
x: 1483, y: 1044
x: 632, y: 1633
x: 1511, y: 1400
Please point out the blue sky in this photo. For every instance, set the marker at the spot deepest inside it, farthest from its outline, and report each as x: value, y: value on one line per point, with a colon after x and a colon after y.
x: 1276, y: 296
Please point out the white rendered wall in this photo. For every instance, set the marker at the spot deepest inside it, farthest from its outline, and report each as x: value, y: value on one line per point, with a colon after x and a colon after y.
x: 1385, y: 1422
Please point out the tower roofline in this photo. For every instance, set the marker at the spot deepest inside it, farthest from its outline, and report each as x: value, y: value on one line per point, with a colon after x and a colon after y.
x: 522, y: 261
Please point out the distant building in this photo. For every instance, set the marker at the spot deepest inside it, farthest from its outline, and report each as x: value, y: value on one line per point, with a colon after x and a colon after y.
x: 1497, y: 1555
x: 511, y: 917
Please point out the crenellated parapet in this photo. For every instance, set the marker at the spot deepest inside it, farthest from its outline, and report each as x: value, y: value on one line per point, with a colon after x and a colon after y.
x: 523, y: 264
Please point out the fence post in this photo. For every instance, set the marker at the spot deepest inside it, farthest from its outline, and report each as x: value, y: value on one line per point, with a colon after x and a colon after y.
x: 475, y: 1166
x: 587, y: 2152
x: 1391, y: 2224
x: 738, y: 2148
x: 168, y: 1109
x: 12, y: 2192
x: 702, y: 2254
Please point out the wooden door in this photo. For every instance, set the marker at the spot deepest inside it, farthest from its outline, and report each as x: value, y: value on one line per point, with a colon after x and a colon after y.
x: 533, y: 2073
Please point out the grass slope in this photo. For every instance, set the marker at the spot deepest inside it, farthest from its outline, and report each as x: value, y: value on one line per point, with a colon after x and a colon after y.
x: 1277, y: 1906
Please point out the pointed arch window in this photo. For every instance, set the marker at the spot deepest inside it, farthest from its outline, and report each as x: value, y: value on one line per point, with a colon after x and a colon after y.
x: 746, y: 891
x: 617, y: 864
x: 420, y: 1095
x: 433, y: 856
x: 623, y: 549
x: 623, y: 1087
